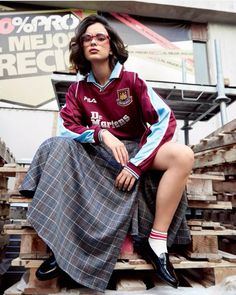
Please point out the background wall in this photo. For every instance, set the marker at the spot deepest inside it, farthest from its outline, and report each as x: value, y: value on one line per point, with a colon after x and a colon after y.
x: 23, y: 130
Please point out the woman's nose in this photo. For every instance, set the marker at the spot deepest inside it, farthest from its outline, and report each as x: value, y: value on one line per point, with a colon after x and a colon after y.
x: 93, y: 41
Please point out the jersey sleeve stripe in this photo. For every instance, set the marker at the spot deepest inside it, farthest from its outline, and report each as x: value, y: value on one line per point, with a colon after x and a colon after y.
x: 157, y: 131
x: 85, y: 137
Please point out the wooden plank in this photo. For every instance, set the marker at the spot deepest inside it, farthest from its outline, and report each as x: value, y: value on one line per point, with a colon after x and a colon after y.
x: 192, y: 283
x: 33, y: 247
x: 11, y: 171
x: 224, y: 186
x: 35, y: 286
x: 20, y: 232
x: 17, y: 226
x: 130, y: 284
x: 208, y: 256
x: 206, y: 232
x: 4, y: 240
x: 215, y: 142
x: 222, y: 273
x: 5, y: 155
x: 13, y: 290
x: 229, y: 127
x: 205, y: 205
x: 3, y: 182
x: 201, y: 197
x: 195, y: 222
x: 217, y: 157
x: 184, y: 264
x: 227, y: 169
x: 218, y: 176
x: 20, y: 200
x: 228, y: 256
x: 19, y: 179
x: 205, y: 277
x: 4, y: 209
x: 203, y: 264
x: 196, y: 228
x: 205, y: 224
x: 174, y: 259
x: 3, y: 196
x: 213, y: 224
x: 203, y: 244
x: 137, y: 261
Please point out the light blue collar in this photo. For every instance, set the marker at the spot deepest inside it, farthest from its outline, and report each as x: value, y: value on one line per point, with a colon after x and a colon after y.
x: 114, y: 75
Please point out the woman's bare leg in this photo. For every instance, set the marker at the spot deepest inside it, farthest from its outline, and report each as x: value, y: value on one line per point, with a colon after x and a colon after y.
x: 177, y: 161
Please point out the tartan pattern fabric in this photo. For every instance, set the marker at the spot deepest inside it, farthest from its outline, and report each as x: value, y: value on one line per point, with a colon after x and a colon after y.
x: 79, y: 213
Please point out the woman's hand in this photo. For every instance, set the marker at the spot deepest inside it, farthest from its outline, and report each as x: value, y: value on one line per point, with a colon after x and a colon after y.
x: 125, y: 180
x: 117, y: 147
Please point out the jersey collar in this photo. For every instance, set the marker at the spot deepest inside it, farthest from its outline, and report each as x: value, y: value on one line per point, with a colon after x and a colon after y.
x: 114, y: 74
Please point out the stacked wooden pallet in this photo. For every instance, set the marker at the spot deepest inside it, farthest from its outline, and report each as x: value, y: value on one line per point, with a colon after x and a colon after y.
x: 203, y: 253
x: 4, y: 218
x: 213, y: 211
x: 5, y: 157
x: 33, y: 251
x: 217, y: 153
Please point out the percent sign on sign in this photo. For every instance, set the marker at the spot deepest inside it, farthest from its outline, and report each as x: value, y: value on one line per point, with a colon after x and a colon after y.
x: 23, y: 25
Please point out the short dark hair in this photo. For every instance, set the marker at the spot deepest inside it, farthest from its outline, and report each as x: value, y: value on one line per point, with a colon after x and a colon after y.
x: 77, y: 58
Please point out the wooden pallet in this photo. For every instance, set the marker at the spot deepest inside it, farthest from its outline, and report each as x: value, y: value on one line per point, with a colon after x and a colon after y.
x: 203, y: 254
x: 33, y: 251
x: 5, y: 155
x: 216, y: 272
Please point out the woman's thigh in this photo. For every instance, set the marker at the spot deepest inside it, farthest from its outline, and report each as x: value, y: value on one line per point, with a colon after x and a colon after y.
x: 173, y: 154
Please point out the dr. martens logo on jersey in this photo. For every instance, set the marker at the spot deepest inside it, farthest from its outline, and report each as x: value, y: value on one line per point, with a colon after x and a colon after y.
x: 123, y: 97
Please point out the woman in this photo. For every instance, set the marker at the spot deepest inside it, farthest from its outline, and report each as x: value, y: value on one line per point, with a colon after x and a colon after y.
x: 89, y: 185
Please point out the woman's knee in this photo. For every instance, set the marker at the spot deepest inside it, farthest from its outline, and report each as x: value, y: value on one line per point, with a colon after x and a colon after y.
x: 174, y: 155
x: 185, y: 157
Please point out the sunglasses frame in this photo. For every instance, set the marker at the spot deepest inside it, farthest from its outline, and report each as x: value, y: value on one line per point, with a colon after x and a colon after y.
x: 95, y: 37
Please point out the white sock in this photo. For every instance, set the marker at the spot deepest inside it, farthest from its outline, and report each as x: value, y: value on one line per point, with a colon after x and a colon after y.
x: 158, y: 242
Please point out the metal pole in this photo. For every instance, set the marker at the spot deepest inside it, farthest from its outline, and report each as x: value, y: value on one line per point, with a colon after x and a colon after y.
x: 186, y: 126
x: 221, y: 99
x: 186, y: 129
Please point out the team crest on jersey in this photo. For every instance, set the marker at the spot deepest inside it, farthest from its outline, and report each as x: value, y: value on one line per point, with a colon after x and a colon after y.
x: 123, y: 97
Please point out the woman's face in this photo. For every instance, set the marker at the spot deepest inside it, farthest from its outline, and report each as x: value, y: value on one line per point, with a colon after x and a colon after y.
x: 96, y: 43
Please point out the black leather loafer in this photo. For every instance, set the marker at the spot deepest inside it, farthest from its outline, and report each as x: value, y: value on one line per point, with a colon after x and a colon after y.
x: 162, y: 265
x: 48, y: 270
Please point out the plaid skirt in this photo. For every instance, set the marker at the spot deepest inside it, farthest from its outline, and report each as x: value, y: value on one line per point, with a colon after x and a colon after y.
x: 82, y: 216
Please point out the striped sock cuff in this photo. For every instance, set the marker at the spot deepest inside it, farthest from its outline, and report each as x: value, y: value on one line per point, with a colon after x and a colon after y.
x: 157, y: 235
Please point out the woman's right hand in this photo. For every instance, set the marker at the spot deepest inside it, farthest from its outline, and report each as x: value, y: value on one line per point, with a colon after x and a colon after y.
x: 117, y: 147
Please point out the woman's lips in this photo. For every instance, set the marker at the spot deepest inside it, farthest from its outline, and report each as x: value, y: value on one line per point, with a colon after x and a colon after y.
x: 93, y: 50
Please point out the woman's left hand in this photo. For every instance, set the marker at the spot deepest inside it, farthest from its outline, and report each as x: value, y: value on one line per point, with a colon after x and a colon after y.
x: 125, y: 180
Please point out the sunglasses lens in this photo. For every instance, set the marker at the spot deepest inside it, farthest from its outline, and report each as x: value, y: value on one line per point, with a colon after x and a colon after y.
x: 101, y: 37
x: 86, y: 38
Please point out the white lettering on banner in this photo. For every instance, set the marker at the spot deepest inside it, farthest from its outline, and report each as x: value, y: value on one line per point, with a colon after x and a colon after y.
x: 7, y: 63
x: 29, y: 24
x: 26, y: 63
x: 19, y: 43
x: 42, y: 61
x: 96, y: 119
x: 31, y: 62
x: 38, y: 42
